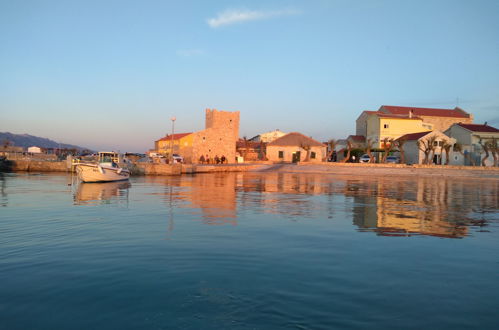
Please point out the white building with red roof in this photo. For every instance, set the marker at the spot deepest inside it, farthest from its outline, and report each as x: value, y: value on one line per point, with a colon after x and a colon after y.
x: 434, y: 142
x: 472, y: 137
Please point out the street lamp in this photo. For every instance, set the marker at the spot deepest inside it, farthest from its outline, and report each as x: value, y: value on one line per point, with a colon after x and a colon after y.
x: 171, y: 142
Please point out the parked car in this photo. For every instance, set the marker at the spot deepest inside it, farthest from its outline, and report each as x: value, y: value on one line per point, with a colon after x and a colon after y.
x: 393, y: 159
x: 177, y: 158
x: 364, y: 158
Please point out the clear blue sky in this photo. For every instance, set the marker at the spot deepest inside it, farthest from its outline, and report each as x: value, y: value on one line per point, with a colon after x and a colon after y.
x: 110, y: 74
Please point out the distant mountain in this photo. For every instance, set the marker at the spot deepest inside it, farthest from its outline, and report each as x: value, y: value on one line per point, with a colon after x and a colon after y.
x: 26, y: 140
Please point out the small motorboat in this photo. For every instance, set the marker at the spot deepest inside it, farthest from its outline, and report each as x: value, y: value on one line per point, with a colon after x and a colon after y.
x: 106, y: 170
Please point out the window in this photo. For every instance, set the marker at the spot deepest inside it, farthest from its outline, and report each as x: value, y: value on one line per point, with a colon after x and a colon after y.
x: 440, y: 143
x: 312, y: 155
x: 281, y: 154
x: 435, y: 143
x: 386, y: 126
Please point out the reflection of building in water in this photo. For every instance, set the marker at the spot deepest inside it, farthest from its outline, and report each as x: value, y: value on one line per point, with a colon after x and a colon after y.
x: 427, y: 206
x: 286, y: 194
x: 215, y: 195
x: 103, y: 192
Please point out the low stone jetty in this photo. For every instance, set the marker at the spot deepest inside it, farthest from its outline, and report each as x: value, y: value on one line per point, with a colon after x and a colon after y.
x: 352, y: 169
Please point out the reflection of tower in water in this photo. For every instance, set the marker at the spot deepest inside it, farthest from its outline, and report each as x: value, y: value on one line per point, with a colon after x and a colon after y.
x: 215, y: 195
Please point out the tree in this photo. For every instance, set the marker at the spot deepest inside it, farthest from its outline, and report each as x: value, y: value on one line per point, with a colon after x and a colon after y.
x: 459, y: 148
x: 307, y: 148
x: 446, y: 146
x: 485, y: 148
x: 369, y: 146
x: 262, y: 152
x: 387, y: 148
x: 400, y: 146
x: 332, y: 146
x: 427, y: 146
x: 6, y: 144
x: 494, y: 150
x: 349, y: 149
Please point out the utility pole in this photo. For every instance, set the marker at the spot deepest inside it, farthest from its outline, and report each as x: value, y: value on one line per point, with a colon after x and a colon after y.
x: 171, y: 140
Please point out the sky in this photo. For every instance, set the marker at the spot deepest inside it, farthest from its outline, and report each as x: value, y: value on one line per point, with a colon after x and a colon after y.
x: 109, y: 75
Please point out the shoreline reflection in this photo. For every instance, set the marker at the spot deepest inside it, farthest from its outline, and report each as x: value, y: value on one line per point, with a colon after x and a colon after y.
x: 441, y: 207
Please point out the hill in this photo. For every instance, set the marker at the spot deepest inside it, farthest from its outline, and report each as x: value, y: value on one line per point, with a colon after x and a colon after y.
x: 26, y: 140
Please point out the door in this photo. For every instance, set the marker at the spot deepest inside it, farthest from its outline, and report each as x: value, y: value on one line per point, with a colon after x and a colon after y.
x: 296, y: 157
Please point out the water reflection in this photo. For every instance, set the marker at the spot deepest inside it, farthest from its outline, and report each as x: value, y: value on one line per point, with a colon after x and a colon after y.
x: 101, y: 193
x: 443, y: 207
x: 3, y: 192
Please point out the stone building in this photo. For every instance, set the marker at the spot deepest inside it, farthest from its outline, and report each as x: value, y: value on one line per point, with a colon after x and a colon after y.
x: 292, y: 147
x: 219, y: 136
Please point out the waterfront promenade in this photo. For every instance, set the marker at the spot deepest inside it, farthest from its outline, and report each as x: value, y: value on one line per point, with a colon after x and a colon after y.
x: 357, y: 169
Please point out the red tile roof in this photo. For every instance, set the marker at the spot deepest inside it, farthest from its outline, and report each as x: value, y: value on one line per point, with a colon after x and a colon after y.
x: 413, y: 136
x: 175, y: 136
x: 396, y: 116
x: 388, y: 115
x: 397, y: 110
x: 479, y: 128
x: 295, y: 139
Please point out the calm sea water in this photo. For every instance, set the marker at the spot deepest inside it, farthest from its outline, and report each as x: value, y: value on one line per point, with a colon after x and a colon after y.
x: 249, y: 251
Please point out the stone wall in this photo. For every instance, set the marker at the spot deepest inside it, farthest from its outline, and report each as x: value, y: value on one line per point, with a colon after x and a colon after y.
x: 443, y: 123
x: 40, y: 166
x: 218, y: 138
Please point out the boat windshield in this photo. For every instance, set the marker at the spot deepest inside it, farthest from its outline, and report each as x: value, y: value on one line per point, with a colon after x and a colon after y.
x: 108, y: 157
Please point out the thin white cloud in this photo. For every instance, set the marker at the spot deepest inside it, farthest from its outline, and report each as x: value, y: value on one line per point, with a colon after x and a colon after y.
x: 190, y: 52
x: 233, y: 16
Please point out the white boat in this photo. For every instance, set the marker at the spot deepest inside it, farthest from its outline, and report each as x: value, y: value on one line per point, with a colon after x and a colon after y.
x: 105, y: 170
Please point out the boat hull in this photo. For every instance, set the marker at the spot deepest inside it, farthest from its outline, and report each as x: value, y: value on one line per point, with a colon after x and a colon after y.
x: 97, y: 173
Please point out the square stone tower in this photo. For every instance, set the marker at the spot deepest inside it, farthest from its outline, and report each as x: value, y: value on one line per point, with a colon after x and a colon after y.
x: 219, y: 136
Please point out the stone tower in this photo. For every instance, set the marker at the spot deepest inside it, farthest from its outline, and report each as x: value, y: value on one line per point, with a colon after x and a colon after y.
x: 219, y: 136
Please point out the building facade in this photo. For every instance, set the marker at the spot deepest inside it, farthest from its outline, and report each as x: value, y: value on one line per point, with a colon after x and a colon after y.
x: 439, y: 119
x: 181, y: 143
x: 296, y: 147
x: 415, y: 143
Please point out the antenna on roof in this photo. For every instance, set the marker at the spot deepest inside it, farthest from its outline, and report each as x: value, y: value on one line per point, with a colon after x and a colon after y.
x: 457, y: 102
